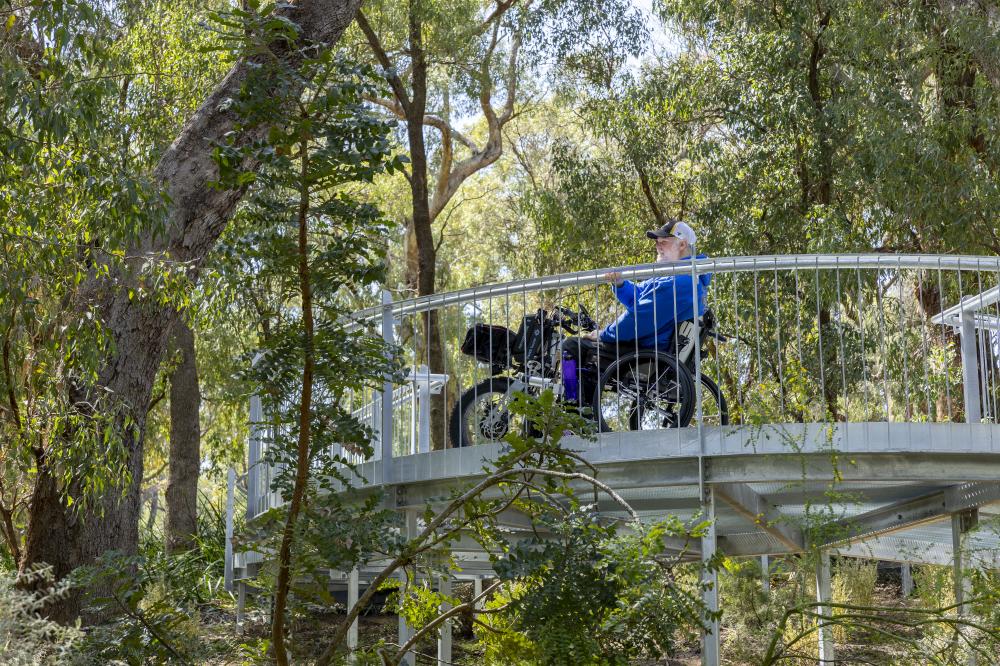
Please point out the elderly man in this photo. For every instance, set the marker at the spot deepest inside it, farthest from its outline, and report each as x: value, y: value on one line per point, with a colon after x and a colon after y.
x: 652, y: 307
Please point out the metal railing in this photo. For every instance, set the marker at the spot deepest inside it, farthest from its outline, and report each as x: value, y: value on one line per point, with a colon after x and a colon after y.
x: 804, y: 338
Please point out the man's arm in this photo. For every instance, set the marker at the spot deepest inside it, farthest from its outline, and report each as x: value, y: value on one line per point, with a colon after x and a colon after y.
x: 625, y: 290
x: 654, y: 309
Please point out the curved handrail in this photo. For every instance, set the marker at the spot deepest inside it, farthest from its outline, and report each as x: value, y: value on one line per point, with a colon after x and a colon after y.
x: 870, y: 359
x: 422, y: 304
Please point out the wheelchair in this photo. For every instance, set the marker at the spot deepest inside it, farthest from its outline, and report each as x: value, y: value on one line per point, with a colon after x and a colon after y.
x: 649, y: 389
x: 635, y: 390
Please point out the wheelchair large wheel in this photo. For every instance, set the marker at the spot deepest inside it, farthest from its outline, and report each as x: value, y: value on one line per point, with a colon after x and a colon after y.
x: 714, y: 409
x: 646, y: 390
x: 482, y: 415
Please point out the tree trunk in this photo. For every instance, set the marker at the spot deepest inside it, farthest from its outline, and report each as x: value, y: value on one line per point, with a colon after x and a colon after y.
x: 197, y: 214
x: 426, y: 251
x: 185, y: 441
x: 823, y: 193
x: 305, y: 420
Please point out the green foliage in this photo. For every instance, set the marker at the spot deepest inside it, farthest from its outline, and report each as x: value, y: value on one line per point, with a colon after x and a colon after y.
x: 752, y: 617
x: 153, y: 605
x: 853, y: 584
x: 69, y: 206
x: 157, y: 600
x: 27, y: 638
x: 321, y: 143
x: 595, y: 596
x: 500, y: 640
x: 934, y: 585
x: 583, y: 589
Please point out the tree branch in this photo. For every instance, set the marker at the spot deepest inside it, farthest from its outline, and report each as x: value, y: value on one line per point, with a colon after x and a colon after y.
x: 648, y: 192
x: 447, y: 187
x: 435, y: 623
x: 398, y: 89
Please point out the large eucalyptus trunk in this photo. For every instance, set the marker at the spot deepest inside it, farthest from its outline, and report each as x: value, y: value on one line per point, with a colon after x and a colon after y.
x: 197, y: 213
x: 185, y: 444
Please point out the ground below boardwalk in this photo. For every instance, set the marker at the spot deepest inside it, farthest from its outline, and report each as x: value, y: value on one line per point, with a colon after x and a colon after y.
x: 311, y: 633
x: 309, y: 636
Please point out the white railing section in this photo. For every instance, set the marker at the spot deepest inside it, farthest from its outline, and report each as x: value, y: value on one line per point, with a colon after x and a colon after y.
x: 808, y: 338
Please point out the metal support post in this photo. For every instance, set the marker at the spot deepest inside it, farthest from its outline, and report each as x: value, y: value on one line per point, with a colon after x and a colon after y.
x: 230, y: 504
x: 385, y: 423
x: 961, y: 524
x: 906, y: 574
x: 477, y: 589
x: 424, y: 405
x: 710, y: 647
x: 765, y: 574
x: 405, y: 630
x: 241, y: 603
x: 970, y: 368
x: 823, y: 596
x: 353, y: 580
x: 956, y: 561
x: 444, y: 634
x: 253, y: 455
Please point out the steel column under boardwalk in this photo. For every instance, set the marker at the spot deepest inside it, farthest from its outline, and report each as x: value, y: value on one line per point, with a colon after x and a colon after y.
x: 477, y: 590
x: 970, y: 368
x: 353, y: 581
x: 710, y: 645
x: 405, y: 630
x: 961, y: 524
x: 823, y: 595
x: 444, y: 635
x: 230, y: 507
x: 385, y: 426
x: 241, y: 603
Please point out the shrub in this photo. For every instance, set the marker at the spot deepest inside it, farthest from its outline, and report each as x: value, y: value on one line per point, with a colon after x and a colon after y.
x: 854, y: 584
x: 25, y: 636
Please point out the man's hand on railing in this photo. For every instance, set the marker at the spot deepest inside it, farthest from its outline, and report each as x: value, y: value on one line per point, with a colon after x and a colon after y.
x: 615, y: 278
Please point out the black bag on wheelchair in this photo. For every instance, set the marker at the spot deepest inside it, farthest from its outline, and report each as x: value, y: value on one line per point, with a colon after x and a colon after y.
x: 527, y: 344
x: 489, y: 344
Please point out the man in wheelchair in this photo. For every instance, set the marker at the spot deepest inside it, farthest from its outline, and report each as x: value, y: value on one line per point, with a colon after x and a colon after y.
x: 646, y: 328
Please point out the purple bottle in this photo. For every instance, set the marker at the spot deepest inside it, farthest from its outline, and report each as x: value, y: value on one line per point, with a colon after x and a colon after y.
x: 570, y: 383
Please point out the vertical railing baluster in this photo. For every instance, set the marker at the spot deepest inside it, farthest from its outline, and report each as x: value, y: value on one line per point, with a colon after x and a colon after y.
x: 842, y: 349
x: 254, y: 457
x: 970, y: 371
x: 904, y: 342
x: 228, y: 546
x: 779, y: 349
x: 864, y: 346
x: 924, y: 343
x: 385, y: 421
x: 819, y: 344
x: 944, y: 347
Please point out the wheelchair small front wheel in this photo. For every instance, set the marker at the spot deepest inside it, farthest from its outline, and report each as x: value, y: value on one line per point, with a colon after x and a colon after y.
x: 645, y: 390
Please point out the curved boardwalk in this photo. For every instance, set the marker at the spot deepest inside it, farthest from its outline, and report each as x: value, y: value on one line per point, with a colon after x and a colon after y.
x: 867, y: 385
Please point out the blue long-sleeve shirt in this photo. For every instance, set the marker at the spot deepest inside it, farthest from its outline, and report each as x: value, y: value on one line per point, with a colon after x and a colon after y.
x: 653, y: 308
